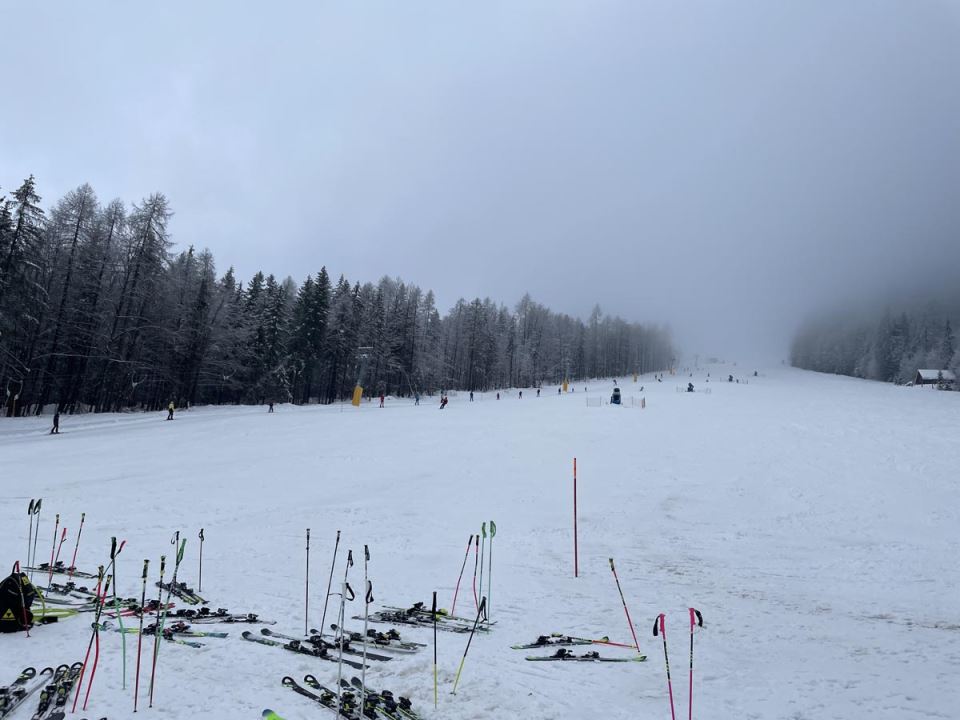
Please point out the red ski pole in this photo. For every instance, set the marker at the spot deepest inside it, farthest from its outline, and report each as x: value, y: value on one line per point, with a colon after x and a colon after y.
x: 661, y: 620
x: 63, y: 539
x: 86, y: 657
x: 453, y: 607
x: 73, y: 562
x: 629, y: 621
x: 114, y: 551
x: 476, y: 559
x: 56, y: 529
x: 695, y: 619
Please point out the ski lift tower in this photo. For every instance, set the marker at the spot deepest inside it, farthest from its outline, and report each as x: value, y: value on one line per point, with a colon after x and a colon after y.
x: 363, y: 354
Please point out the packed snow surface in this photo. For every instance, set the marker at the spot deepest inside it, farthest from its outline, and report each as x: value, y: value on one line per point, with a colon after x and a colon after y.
x: 813, y: 520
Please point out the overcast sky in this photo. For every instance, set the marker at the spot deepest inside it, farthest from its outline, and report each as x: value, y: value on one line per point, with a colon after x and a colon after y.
x: 719, y: 166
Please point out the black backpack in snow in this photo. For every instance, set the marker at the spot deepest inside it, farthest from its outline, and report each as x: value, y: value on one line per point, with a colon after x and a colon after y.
x: 16, y: 596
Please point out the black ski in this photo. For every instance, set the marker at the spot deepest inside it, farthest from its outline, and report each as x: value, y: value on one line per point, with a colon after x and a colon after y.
x: 187, y: 594
x: 565, y: 655
x: 389, y: 640
x: 297, y: 647
x: 220, y: 615
x: 317, y: 641
x: 27, y: 683
x: 399, y: 705
x: 326, y: 699
x: 64, y: 688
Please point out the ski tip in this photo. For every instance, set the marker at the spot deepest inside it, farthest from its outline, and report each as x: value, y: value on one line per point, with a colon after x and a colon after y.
x: 270, y: 715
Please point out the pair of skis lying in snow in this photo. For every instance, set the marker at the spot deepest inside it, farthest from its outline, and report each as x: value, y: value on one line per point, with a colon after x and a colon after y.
x: 560, y: 641
x: 54, y: 686
x: 346, y: 703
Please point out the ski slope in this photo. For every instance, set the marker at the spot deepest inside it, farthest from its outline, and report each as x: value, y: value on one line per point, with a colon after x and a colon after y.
x: 812, y: 519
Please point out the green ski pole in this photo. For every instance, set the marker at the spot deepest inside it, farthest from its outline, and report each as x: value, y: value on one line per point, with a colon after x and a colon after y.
x: 493, y: 531
x: 163, y: 616
x: 123, y: 634
x: 480, y: 613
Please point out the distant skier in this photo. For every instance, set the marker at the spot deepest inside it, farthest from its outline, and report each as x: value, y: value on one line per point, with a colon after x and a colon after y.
x: 471, y: 396
x: 443, y: 402
x: 521, y: 395
x: 498, y: 396
x: 271, y: 407
x: 538, y: 392
x: 689, y: 387
x: 55, y: 430
x: 416, y: 398
x: 558, y: 391
x: 170, y: 411
x: 381, y: 399
x: 729, y: 378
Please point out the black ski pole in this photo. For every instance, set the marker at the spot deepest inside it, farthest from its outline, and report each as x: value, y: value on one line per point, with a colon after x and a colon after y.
x: 30, y: 533
x: 200, y: 574
x: 343, y: 602
x: 695, y: 619
x: 36, y: 536
x: 306, y: 592
x: 367, y: 599
x: 143, y: 611
x: 326, y: 600
x: 433, y: 611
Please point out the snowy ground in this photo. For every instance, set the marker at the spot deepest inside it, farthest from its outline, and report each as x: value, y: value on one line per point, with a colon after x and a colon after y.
x: 812, y: 519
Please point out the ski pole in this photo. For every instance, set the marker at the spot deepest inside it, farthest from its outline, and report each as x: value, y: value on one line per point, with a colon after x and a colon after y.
x: 695, y: 619
x: 101, y: 601
x: 345, y: 588
x: 368, y: 598
x: 156, y: 623
x: 306, y: 592
x: 493, y: 531
x: 123, y: 634
x: 453, y: 607
x: 480, y: 613
x: 476, y: 558
x: 86, y: 657
x: 162, y: 617
x: 30, y: 532
x: 143, y: 611
x: 661, y: 622
x: 433, y: 612
x: 326, y: 600
x: 629, y: 621
x: 36, y: 536
x: 73, y: 562
x: 483, y: 548
x: 576, y: 549
x: 103, y: 585
x: 200, y: 574
x: 56, y: 528
x: 63, y: 539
